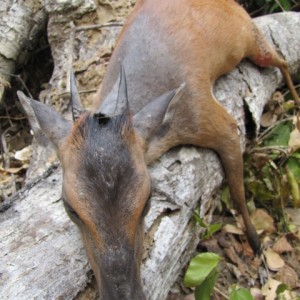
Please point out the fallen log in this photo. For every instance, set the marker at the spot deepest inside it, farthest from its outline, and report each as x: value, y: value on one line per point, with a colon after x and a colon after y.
x: 41, y: 254
x: 21, y: 24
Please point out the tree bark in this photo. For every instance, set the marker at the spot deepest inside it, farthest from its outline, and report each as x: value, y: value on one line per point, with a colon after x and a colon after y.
x: 41, y: 254
x: 21, y: 23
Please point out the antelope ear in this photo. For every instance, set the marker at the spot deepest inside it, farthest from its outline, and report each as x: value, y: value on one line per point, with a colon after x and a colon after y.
x: 46, y: 123
x: 76, y: 105
x: 157, y: 113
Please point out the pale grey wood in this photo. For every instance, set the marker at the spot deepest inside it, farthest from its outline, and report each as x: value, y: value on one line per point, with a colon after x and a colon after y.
x: 41, y: 254
x: 20, y: 25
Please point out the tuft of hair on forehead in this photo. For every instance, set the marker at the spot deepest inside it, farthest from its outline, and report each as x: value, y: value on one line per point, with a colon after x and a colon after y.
x: 102, y: 146
x: 89, y: 124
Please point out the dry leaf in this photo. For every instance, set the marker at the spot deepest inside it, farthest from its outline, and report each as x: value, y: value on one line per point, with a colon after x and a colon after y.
x: 229, y: 228
x: 267, y: 242
x: 262, y: 221
x: 273, y: 259
x: 4, y: 82
x: 269, y: 291
x: 278, y: 97
x: 294, y: 215
x: 260, y: 159
x: 279, y: 111
x: 294, y: 141
x: 235, y: 259
x: 288, y: 276
x: 268, y: 119
x: 282, y: 245
x: 13, y: 170
x: 24, y: 154
x: 234, y: 270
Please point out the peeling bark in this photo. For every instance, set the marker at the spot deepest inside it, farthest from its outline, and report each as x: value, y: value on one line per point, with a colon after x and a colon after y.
x: 41, y: 254
x: 21, y: 23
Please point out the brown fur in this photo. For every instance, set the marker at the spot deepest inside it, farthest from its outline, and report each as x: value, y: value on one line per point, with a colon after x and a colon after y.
x: 163, y: 44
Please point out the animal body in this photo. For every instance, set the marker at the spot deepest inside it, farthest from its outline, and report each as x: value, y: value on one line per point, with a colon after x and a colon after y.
x: 170, y: 53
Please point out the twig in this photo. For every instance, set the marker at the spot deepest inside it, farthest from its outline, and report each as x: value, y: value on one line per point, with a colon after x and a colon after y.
x: 19, y: 78
x: 12, y: 118
x: 279, y: 4
x: 282, y: 149
x: 287, y: 91
x: 221, y: 293
x: 268, y: 131
x: 4, y: 149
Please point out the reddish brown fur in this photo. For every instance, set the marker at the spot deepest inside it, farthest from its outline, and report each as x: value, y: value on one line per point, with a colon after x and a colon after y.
x: 205, y: 40
x: 163, y: 44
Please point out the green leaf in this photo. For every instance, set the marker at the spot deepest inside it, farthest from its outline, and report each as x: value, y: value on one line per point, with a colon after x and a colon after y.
x: 204, y: 290
x: 225, y: 196
x: 295, y: 188
x: 296, y: 155
x: 200, y: 268
x: 294, y: 165
x: 199, y: 220
x: 210, y: 230
x: 260, y: 191
x: 280, y: 135
x: 281, y: 289
x: 213, y: 228
x: 274, y: 7
x: 238, y: 293
x: 285, y: 4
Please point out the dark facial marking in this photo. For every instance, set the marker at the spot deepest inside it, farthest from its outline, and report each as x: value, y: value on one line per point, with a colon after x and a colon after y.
x: 107, y: 176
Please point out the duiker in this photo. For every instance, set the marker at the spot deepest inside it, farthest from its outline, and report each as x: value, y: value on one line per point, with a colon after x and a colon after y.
x: 172, y: 52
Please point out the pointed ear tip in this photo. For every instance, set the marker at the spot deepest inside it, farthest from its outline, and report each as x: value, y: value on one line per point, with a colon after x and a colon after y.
x: 20, y: 93
x: 182, y: 86
x: 22, y: 97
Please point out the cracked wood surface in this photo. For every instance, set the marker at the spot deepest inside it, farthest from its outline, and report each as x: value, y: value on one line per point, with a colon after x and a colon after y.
x: 21, y: 23
x: 41, y: 254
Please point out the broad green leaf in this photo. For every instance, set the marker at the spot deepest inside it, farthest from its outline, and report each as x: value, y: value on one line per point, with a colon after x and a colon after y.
x: 295, y: 188
x: 240, y: 294
x: 281, y: 288
x: 260, y: 191
x: 294, y: 165
x: 274, y: 7
x: 285, y: 4
x: 200, y: 267
x: 204, y: 290
x: 225, y: 196
x: 296, y: 155
x: 280, y: 135
x: 213, y: 228
x: 210, y: 230
x: 199, y: 220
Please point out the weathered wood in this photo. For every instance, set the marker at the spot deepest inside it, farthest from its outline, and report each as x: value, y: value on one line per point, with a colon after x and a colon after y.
x: 41, y: 254
x: 20, y: 25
